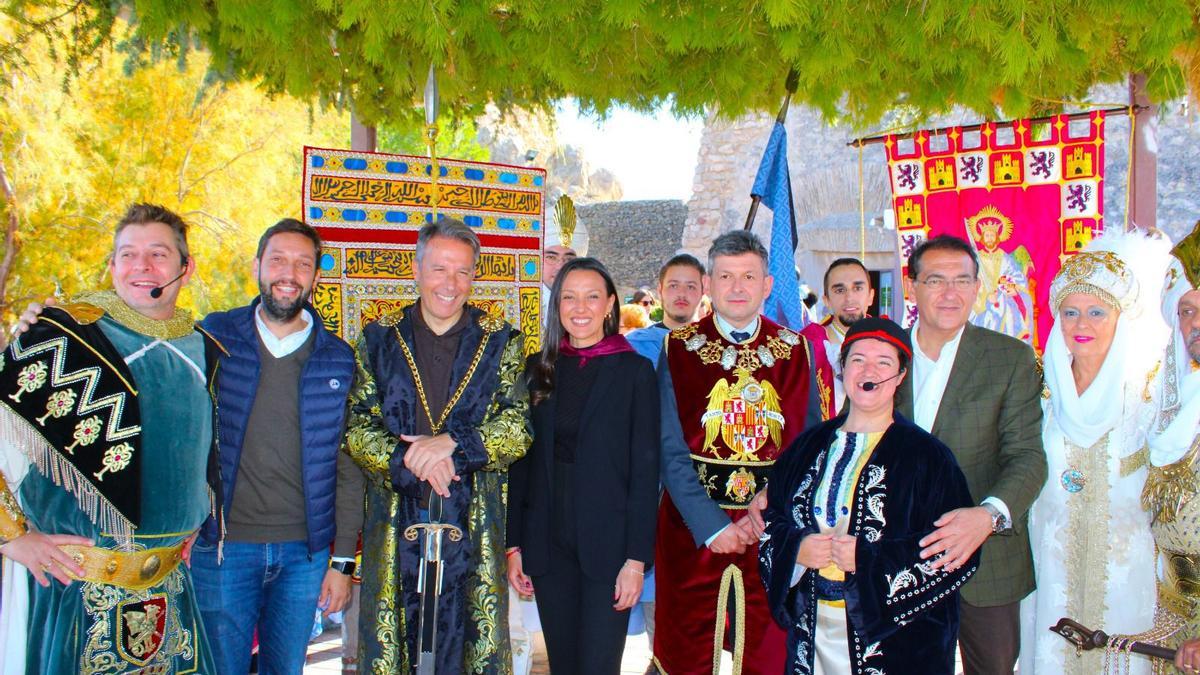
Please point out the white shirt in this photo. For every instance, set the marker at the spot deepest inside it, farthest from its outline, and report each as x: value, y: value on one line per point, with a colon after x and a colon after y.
x: 930, y: 378
x: 725, y: 328
x: 281, y: 347
x: 929, y: 386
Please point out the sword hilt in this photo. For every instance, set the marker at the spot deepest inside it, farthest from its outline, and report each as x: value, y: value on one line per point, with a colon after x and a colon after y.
x: 413, y: 531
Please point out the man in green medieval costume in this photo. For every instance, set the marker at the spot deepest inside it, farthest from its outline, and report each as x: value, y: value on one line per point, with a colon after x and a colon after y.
x: 438, y: 412
x: 107, y: 469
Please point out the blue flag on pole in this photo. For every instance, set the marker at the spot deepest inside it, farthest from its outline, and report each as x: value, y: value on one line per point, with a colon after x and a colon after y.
x: 774, y: 185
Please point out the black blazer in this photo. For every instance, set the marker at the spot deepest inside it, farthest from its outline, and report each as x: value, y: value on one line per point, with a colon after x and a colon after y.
x: 616, y: 473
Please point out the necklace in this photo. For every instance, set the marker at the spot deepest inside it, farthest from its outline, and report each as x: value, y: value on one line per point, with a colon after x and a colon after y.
x: 436, y: 427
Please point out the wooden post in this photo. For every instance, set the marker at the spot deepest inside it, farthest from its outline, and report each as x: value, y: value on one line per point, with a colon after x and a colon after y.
x: 362, y: 138
x: 1143, y: 179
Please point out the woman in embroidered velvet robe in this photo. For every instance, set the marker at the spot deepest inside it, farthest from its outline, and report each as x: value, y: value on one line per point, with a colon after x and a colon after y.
x: 848, y: 504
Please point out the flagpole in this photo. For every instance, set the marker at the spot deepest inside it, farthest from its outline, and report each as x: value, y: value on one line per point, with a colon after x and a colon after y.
x: 793, y: 81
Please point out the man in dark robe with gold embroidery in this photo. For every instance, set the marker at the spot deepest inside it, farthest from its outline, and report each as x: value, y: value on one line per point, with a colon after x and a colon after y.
x: 108, y: 468
x: 438, y: 413
x: 736, y: 389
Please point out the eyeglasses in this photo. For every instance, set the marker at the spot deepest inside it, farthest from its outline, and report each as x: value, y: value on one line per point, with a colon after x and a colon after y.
x: 647, y: 303
x: 938, y: 284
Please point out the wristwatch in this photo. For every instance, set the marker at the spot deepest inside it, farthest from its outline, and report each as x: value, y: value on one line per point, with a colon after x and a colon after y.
x: 999, y: 522
x: 344, y: 566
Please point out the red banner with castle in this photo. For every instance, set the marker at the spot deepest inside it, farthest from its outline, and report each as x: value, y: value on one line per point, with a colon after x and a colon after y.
x: 1026, y: 194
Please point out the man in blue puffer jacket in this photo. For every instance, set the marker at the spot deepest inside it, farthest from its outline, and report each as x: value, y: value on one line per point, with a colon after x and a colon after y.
x: 289, y: 492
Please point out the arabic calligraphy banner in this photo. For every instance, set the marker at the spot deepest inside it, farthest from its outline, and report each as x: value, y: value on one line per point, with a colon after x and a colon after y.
x: 1026, y: 194
x: 369, y: 206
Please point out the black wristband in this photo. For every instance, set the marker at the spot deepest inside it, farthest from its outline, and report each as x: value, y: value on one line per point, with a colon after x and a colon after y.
x: 344, y: 566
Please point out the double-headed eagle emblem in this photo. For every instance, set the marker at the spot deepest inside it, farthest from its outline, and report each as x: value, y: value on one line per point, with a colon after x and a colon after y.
x: 744, y: 415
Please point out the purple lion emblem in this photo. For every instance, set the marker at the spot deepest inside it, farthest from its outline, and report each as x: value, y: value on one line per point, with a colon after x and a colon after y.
x: 971, y: 166
x: 1043, y: 162
x: 909, y: 173
x: 1078, y: 197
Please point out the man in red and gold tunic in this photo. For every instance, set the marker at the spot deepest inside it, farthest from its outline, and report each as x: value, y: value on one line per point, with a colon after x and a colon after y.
x: 735, y: 392
x: 847, y: 296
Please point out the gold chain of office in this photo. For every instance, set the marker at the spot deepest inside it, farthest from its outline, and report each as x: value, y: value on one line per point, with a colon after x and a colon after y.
x: 436, y: 428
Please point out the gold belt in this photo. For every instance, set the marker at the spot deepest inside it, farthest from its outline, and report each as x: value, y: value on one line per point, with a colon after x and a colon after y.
x: 135, y: 570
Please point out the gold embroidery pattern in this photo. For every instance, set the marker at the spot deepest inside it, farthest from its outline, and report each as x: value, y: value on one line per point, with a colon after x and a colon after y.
x: 1086, y: 540
x: 1133, y: 462
x: 58, y: 405
x: 710, y: 353
x: 368, y: 442
x: 706, y: 481
x: 370, y: 445
x: 1147, y: 391
x: 1176, y: 528
x: 12, y: 517
x: 826, y: 397
x: 506, y: 438
x: 179, y: 325
x: 505, y: 431
x: 101, y: 653
x: 684, y: 332
x: 390, y: 624
x: 1169, y: 488
x: 486, y: 648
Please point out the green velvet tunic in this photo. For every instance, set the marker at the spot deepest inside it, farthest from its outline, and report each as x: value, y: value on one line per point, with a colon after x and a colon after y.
x: 77, y: 628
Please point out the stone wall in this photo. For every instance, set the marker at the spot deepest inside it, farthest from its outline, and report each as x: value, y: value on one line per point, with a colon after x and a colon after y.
x: 634, y: 238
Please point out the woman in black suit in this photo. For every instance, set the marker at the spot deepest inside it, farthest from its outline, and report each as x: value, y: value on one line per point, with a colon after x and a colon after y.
x: 582, y: 503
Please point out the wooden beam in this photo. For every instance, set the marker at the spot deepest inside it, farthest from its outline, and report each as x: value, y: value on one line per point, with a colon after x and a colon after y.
x: 1143, y: 176
x: 362, y: 138
x: 872, y: 140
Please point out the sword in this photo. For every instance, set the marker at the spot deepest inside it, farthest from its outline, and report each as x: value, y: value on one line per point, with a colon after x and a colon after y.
x: 1086, y: 639
x: 430, y: 580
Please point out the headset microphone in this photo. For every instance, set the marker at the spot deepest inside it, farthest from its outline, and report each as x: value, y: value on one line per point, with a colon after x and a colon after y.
x: 870, y: 386
x: 157, y: 291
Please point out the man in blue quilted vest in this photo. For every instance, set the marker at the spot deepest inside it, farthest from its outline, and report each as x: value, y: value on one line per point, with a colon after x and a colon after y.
x: 288, y: 491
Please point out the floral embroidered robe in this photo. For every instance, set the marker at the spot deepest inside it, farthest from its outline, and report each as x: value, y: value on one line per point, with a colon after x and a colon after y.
x: 489, y: 424
x: 902, y: 615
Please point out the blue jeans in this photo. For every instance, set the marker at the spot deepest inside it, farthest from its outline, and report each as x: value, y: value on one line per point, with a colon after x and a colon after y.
x: 271, y: 587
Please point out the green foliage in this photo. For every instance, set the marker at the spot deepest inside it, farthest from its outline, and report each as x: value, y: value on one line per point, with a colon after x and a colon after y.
x: 226, y: 157
x: 456, y: 138
x: 856, y: 58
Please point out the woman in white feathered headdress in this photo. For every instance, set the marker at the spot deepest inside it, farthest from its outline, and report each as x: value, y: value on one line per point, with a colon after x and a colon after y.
x: 1093, y: 551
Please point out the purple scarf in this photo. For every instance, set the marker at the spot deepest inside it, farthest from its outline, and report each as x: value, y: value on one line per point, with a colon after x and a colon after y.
x: 613, y: 344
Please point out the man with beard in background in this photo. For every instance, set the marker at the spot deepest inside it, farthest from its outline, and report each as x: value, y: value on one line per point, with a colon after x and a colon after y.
x: 288, y: 491
x: 847, y: 295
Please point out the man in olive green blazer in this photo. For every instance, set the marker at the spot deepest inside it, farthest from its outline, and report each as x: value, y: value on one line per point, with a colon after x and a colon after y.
x: 978, y: 391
